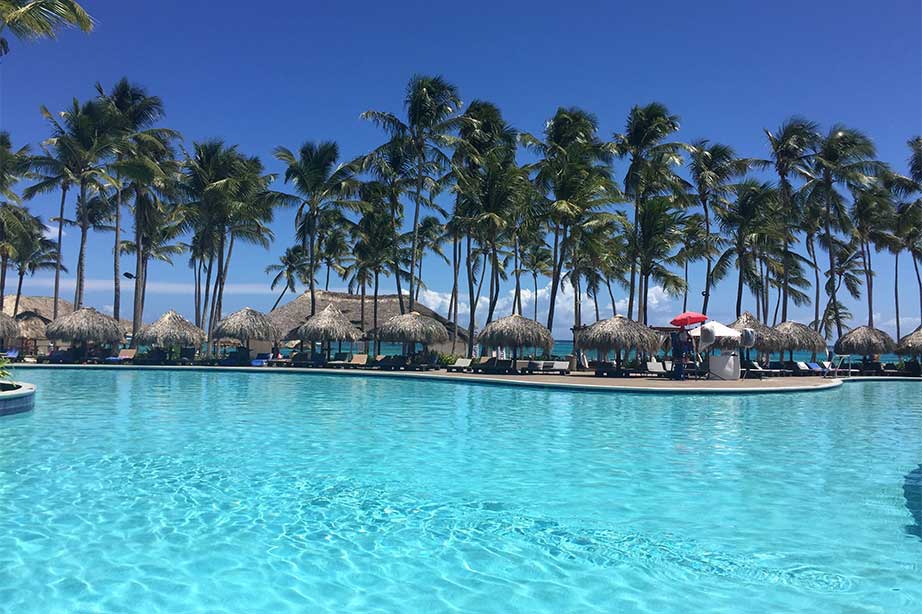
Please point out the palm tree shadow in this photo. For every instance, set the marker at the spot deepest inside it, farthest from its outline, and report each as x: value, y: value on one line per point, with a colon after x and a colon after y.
x: 912, y: 491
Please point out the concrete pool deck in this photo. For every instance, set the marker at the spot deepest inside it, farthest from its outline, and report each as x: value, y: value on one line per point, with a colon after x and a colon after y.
x: 575, y: 381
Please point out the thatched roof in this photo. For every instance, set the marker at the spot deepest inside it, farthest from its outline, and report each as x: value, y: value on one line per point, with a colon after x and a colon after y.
x: 911, y: 344
x: 9, y: 328
x: 865, y: 341
x: 767, y: 340
x: 85, y: 324
x: 171, y: 329
x: 35, y: 311
x: 797, y: 336
x: 293, y: 314
x: 412, y: 328
x: 516, y: 331
x: 619, y: 333
x: 246, y: 325
x: 327, y: 325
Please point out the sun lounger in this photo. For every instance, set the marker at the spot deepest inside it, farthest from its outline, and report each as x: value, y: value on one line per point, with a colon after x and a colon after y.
x: 340, y: 359
x: 392, y: 363
x: 657, y: 368
x: 261, y: 360
x: 12, y: 356
x: 239, y: 358
x: 124, y: 356
x: 460, y: 365
x: 482, y: 364
x: 357, y: 361
x: 757, y: 370
x: 307, y: 359
x: 499, y: 367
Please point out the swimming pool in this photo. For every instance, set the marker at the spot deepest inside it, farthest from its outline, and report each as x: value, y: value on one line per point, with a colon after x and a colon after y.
x: 170, y: 491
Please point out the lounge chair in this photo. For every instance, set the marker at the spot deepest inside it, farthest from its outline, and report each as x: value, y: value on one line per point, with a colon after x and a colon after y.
x: 239, y: 358
x: 340, y: 359
x: 63, y: 357
x: 358, y: 361
x: 306, y: 359
x: 279, y: 362
x: 187, y: 355
x: 124, y: 356
x: 658, y: 369
x: 499, y: 367
x: 392, y: 363
x: 261, y: 360
x: 482, y: 364
x: 12, y: 355
x: 802, y: 368
x: 460, y: 365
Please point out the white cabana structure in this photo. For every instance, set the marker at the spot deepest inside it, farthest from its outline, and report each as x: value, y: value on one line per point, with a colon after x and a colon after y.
x: 727, y: 365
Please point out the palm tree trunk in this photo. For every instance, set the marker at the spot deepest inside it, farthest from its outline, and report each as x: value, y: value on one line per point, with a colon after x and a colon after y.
x: 206, y: 294
x: 471, y: 298
x: 811, y: 250
x: 685, y: 294
x: 420, y: 178
x: 869, y: 277
x: 326, y: 283
x: 494, y: 282
x: 81, y: 257
x: 788, y: 209
x: 138, y: 249
x: 896, y: 290
x: 517, y: 297
x: 739, y: 289
x: 57, y: 266
x: 915, y: 265
x: 633, y: 254
x: 556, y: 273
x: 22, y: 274
x: 362, y: 304
x: 455, y: 257
x: 279, y: 299
x: 374, y: 307
x: 832, y: 256
x: 4, y: 263
x: 312, y: 259
x: 116, y: 259
x: 534, y: 276
x: 611, y: 295
x: 707, y: 271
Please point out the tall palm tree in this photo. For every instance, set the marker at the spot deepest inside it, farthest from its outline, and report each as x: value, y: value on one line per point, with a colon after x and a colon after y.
x: 31, y: 19
x: 843, y: 157
x: 697, y: 243
x: 651, y: 162
x: 15, y: 165
x: 742, y: 221
x: 573, y: 174
x: 536, y: 259
x: 790, y: 150
x: 712, y: 167
x: 431, y: 104
x: 291, y: 269
x: 321, y: 185
x: 76, y: 154
x: 132, y: 113
x: 873, y: 217
x: 159, y: 242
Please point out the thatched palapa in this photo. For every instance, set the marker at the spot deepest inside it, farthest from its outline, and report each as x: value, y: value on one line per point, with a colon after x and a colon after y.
x: 171, y: 329
x: 328, y: 325
x: 619, y: 333
x: 293, y: 314
x: 797, y: 336
x: 9, y: 328
x: 247, y: 325
x: 911, y: 344
x: 85, y: 325
x: 516, y: 331
x: 865, y: 341
x: 767, y: 340
x: 412, y: 328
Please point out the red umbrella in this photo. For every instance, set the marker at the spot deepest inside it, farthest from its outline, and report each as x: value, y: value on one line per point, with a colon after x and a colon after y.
x: 688, y: 318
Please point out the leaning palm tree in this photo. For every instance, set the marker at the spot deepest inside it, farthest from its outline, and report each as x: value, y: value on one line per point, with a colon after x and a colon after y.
x: 321, y: 185
x: 431, y: 104
x: 651, y: 166
x: 290, y: 269
x: 31, y: 19
x: 712, y: 167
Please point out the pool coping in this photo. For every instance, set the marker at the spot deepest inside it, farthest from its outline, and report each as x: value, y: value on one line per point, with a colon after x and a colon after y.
x: 828, y: 384
x: 17, y: 401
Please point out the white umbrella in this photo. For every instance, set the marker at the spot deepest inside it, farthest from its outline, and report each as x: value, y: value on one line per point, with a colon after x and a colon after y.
x: 718, y: 331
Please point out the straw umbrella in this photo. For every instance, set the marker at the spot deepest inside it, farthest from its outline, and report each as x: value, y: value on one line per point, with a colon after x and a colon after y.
x: 865, y: 341
x: 9, y: 328
x: 797, y: 336
x: 911, y: 344
x: 412, y: 328
x: 246, y: 325
x: 326, y: 326
x: 619, y: 333
x: 767, y: 340
x: 516, y: 332
x: 172, y: 329
x: 83, y: 326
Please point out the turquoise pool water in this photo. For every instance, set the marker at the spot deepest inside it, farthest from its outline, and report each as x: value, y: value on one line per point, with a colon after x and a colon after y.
x: 181, y: 491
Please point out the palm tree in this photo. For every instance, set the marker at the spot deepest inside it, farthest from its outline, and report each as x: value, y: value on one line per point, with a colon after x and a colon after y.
x: 536, y: 259
x: 430, y: 104
x: 712, y: 167
x: 697, y: 243
x: 651, y: 166
x: 159, y: 242
x: 573, y: 175
x: 321, y: 185
x: 132, y: 112
x: 15, y: 165
x: 31, y: 19
x: 292, y: 267
x: 661, y: 222
x: 742, y: 221
x: 907, y: 235
x: 33, y: 253
x: 75, y: 154
x: 843, y: 157
x: 873, y: 217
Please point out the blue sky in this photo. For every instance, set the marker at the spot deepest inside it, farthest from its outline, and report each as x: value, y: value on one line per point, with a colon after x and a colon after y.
x: 261, y: 77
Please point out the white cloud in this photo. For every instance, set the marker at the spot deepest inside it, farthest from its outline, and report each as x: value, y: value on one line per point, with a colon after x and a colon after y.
x: 52, y: 233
